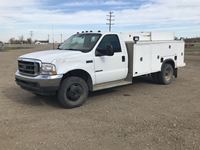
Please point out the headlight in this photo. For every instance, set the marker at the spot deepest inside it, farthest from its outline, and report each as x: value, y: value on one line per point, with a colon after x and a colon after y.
x: 48, y: 69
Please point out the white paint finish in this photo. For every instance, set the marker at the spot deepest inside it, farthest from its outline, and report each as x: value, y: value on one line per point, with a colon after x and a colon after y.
x: 141, y: 60
x: 128, y: 37
x: 162, y: 36
x: 113, y: 67
x: 65, y: 65
x: 148, y: 36
x: 110, y: 68
x: 180, y: 54
x: 65, y: 60
x: 152, y: 52
x: 50, y: 55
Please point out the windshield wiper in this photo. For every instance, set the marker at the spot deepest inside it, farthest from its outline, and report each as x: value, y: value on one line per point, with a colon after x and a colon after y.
x: 75, y: 49
x: 72, y: 49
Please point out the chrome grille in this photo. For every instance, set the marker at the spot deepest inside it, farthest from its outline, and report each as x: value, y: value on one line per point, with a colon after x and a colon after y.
x: 28, y: 68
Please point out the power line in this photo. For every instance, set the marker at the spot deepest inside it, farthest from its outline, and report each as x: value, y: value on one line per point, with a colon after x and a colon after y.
x: 110, y: 20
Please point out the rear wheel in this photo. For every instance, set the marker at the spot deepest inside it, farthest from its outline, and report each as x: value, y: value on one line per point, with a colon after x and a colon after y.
x: 167, y: 74
x: 73, y: 92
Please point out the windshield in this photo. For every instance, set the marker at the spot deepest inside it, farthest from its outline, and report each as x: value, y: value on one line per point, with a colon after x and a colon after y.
x: 80, y: 42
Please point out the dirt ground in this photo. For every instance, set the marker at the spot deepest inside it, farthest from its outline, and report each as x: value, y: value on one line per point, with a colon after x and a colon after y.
x: 142, y: 116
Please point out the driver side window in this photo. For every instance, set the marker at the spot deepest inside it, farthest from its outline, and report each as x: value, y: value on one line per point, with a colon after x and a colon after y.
x: 110, y: 40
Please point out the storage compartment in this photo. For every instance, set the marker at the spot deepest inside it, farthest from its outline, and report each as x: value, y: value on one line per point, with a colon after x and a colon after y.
x: 148, y: 57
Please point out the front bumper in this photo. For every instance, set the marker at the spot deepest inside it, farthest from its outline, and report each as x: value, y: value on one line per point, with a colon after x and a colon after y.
x: 41, y: 84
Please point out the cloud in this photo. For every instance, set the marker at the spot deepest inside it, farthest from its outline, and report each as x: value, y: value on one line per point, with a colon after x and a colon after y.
x: 19, y: 3
x: 162, y: 12
x: 96, y: 3
x: 156, y: 12
x: 170, y: 14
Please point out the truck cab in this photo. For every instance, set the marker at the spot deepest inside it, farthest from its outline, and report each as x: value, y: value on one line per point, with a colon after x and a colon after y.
x: 90, y: 61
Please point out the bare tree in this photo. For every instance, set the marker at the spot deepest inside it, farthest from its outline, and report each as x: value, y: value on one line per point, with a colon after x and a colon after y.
x: 29, y: 41
x: 12, y: 40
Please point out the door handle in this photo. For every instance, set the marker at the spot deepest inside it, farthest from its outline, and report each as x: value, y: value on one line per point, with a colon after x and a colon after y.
x: 123, y: 58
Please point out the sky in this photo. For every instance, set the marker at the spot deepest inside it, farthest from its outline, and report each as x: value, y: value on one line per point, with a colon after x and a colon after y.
x: 66, y: 17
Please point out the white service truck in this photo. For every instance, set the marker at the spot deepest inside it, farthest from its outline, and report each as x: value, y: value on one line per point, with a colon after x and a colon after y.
x: 91, y: 61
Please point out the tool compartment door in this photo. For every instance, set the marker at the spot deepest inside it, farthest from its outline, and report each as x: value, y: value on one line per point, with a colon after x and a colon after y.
x: 141, y: 59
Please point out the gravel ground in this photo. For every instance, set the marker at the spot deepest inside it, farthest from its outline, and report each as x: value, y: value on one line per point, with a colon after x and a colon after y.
x: 142, y: 116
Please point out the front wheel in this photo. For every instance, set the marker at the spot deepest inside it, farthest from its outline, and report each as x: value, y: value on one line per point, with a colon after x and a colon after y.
x: 73, y: 92
x: 167, y: 74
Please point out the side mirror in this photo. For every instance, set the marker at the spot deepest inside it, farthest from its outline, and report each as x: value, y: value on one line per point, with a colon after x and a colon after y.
x: 105, y: 52
x: 136, y: 39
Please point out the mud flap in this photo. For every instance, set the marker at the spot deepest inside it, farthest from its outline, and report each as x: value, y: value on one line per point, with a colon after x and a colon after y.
x: 176, y: 72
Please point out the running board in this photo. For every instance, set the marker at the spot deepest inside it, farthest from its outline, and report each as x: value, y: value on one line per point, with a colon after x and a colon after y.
x: 110, y: 84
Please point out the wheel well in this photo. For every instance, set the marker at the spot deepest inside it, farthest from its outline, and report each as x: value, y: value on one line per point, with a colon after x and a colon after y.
x: 169, y: 61
x: 80, y: 73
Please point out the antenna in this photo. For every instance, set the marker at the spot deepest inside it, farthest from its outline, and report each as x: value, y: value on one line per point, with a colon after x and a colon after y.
x: 110, y: 20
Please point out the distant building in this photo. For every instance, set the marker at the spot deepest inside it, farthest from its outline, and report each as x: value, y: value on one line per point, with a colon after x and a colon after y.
x: 38, y: 42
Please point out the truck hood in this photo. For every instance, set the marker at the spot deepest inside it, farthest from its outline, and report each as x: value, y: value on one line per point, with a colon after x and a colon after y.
x: 52, y: 55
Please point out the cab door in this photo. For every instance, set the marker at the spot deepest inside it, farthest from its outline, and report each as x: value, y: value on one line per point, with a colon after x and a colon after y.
x: 110, y: 68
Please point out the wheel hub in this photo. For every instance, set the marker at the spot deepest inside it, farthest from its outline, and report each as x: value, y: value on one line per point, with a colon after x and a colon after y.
x: 168, y: 74
x: 74, y: 92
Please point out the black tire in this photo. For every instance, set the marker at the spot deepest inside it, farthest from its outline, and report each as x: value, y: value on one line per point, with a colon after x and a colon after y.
x: 73, y: 92
x: 155, y: 77
x: 167, y: 74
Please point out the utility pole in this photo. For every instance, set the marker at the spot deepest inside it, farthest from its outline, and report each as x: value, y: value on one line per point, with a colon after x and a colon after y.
x: 61, y: 37
x: 53, y: 36
x: 110, y: 20
x: 31, y: 36
x: 48, y: 38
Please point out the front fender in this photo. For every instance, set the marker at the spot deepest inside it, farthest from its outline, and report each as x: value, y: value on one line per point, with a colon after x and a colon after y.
x: 65, y: 66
